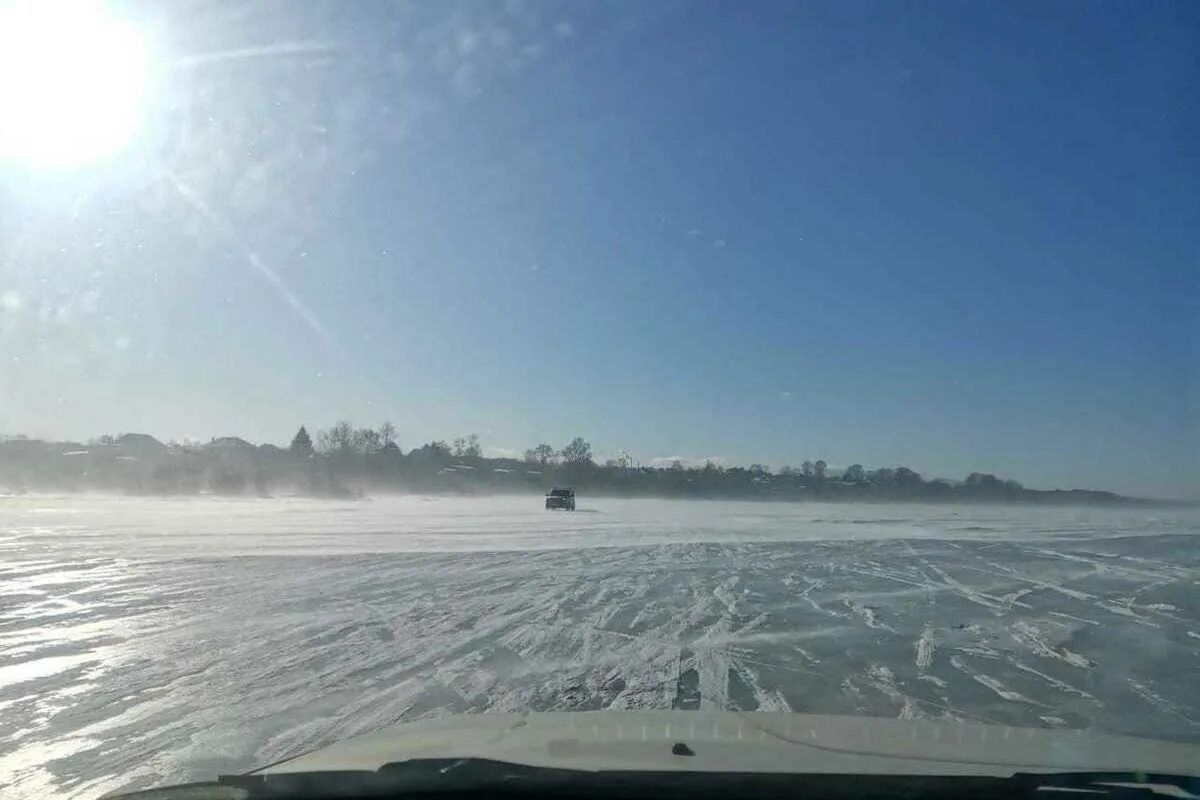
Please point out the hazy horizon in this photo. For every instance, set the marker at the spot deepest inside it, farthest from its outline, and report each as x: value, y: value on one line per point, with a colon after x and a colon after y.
x: 558, y: 458
x: 889, y: 235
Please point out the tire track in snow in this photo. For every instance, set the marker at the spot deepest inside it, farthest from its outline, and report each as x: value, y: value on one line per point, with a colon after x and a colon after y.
x: 990, y: 682
x: 1144, y: 691
x: 867, y: 615
x: 315, y: 648
x: 925, y: 647
x: 883, y: 680
x: 1029, y: 635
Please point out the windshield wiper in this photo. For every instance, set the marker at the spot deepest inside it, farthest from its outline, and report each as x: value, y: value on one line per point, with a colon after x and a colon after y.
x: 440, y: 779
x: 470, y: 776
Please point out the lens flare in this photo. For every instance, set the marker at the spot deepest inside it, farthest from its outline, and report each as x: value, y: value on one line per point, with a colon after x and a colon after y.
x: 72, y: 83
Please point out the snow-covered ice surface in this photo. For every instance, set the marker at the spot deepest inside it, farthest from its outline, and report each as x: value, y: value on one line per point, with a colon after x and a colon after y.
x: 147, y: 640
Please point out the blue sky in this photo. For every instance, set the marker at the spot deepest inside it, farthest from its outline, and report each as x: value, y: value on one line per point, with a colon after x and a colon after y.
x: 952, y: 237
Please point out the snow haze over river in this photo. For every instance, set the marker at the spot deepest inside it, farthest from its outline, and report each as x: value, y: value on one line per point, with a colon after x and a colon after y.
x: 152, y: 640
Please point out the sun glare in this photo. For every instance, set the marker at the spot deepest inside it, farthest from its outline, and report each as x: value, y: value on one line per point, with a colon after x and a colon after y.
x: 72, y: 81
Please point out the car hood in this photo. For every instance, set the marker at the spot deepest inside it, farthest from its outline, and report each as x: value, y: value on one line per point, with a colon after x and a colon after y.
x: 747, y: 742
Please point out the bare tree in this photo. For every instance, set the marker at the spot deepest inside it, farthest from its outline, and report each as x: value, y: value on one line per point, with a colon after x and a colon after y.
x: 367, y: 441
x: 472, y: 449
x: 337, y: 440
x: 542, y: 454
x: 577, y: 452
x: 387, y: 435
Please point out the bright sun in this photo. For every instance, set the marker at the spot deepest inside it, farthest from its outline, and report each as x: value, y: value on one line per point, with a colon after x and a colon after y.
x: 72, y: 81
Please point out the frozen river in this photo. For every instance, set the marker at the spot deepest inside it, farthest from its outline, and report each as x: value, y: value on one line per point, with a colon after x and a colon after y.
x: 146, y: 640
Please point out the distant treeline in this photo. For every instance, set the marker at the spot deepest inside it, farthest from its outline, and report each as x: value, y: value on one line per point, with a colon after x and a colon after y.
x: 346, y: 461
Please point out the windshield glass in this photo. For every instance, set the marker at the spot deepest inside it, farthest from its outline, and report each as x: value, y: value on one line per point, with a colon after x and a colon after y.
x: 864, y: 334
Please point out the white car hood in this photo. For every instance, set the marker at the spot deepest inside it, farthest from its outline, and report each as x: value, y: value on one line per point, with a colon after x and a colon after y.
x: 748, y: 742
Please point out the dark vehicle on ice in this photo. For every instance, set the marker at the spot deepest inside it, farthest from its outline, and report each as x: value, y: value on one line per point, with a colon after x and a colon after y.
x: 560, y: 498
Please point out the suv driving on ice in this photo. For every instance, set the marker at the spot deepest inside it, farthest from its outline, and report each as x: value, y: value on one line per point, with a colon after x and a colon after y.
x: 558, y: 498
